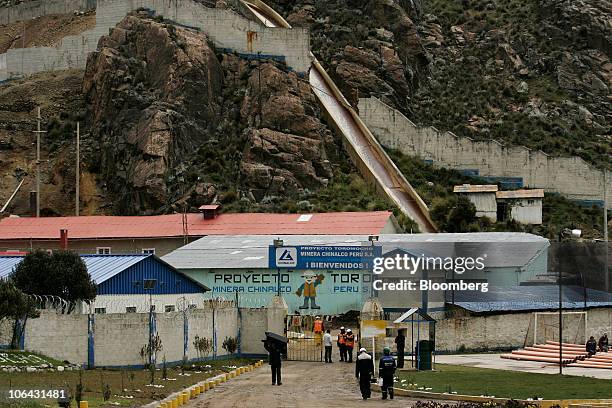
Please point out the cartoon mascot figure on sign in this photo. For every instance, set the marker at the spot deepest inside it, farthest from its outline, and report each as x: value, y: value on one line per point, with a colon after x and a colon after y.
x: 309, y: 289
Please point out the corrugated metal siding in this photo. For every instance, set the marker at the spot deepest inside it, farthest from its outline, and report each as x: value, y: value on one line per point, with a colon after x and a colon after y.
x: 7, y: 264
x: 168, y: 281
x: 104, y: 267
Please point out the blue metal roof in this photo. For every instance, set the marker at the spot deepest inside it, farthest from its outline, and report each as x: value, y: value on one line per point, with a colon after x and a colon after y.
x: 103, y: 267
x: 123, y: 274
x: 7, y: 264
x: 526, y: 298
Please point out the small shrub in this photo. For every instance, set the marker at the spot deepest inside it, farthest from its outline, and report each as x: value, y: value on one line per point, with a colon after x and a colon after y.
x: 230, y: 345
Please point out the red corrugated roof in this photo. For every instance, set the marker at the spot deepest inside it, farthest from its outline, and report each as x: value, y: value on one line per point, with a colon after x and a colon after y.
x: 171, y: 225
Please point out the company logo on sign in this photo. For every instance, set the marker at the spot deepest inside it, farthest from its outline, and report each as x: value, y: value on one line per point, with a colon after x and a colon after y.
x: 286, y: 257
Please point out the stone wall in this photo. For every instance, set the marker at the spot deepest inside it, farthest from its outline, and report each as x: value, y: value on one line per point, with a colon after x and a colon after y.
x: 226, y: 29
x: 569, y: 176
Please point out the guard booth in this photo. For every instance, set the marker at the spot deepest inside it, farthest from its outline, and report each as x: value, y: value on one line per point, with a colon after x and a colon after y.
x: 422, y: 337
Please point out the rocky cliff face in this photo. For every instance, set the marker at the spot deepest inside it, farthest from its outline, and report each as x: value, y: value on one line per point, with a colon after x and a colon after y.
x: 178, y: 126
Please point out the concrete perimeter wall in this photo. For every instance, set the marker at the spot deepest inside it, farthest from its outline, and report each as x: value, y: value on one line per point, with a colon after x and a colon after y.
x: 253, y: 325
x: 226, y: 29
x: 118, y: 338
x: 569, y: 176
x: 508, y: 331
x: 37, y: 8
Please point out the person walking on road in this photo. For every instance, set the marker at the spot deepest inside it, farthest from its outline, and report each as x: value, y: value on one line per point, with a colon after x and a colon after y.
x: 275, y: 352
x: 364, y: 370
x: 341, y: 343
x: 386, y: 370
x: 327, y: 342
x: 400, y: 344
x: 349, y: 344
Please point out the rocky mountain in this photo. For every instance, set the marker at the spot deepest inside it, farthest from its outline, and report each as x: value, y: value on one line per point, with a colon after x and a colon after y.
x: 169, y: 123
x: 530, y: 72
x: 179, y: 125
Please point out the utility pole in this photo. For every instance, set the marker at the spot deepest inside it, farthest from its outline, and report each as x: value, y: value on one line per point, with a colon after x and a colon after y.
x: 78, y: 169
x: 605, y: 196
x: 38, y: 132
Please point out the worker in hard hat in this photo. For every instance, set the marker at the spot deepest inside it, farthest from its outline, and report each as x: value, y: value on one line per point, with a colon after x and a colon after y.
x: 364, y: 370
x: 341, y: 343
x: 386, y: 371
x: 318, y: 330
x: 350, y: 343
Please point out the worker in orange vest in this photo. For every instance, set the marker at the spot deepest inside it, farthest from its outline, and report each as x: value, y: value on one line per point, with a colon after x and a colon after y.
x: 341, y: 344
x: 350, y: 343
x: 318, y: 330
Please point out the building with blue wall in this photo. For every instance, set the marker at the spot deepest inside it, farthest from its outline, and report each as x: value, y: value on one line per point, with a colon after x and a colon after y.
x: 240, y: 267
x: 122, y: 283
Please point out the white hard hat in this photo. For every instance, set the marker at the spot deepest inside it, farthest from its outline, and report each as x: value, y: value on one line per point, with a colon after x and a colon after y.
x: 317, y: 317
x: 349, y: 330
x: 362, y: 350
x: 342, y: 328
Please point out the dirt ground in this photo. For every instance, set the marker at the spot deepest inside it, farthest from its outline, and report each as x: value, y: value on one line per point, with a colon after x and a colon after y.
x: 44, y: 31
x: 305, y: 385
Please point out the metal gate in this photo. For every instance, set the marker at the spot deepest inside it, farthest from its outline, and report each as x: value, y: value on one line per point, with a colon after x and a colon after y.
x: 304, y: 344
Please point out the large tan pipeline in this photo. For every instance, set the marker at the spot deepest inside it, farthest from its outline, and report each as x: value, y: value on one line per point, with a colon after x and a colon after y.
x: 365, y: 151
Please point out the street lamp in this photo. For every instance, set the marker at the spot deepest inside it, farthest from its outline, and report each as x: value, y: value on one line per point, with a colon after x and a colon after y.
x: 149, y: 285
x: 573, y: 233
x: 278, y: 243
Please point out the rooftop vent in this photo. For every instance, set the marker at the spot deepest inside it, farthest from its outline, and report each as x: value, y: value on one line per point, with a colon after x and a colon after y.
x: 209, y: 211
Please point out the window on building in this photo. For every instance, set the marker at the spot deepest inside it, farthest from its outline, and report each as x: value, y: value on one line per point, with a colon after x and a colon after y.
x: 130, y: 309
x: 100, y: 310
x: 148, y: 251
x: 169, y: 308
x: 103, y: 250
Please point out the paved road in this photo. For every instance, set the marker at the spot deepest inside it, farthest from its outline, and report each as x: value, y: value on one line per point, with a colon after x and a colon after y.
x: 305, y: 385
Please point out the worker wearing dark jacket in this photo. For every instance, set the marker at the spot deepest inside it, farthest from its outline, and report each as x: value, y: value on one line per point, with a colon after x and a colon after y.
x: 591, y: 346
x: 400, y: 342
x: 275, y: 352
x: 364, y: 370
x: 602, y: 344
x: 386, y: 370
x: 342, y: 344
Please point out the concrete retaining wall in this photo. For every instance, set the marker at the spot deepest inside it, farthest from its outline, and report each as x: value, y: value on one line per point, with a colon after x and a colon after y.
x: 38, y: 8
x: 226, y: 29
x: 569, y: 176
